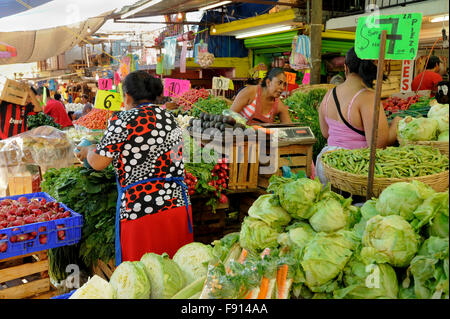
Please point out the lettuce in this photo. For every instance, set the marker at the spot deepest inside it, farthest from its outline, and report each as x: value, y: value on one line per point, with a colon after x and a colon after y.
x: 297, y: 235
x: 95, y: 288
x: 256, y: 235
x: 298, y: 196
x: 165, y: 275
x: 328, y: 216
x: 266, y: 209
x: 129, y: 280
x: 439, y: 112
x: 193, y: 260
x: 443, y: 137
x: 389, y: 239
x: 418, y: 129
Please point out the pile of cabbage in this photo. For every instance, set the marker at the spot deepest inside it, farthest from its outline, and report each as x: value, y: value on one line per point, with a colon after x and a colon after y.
x: 434, y: 127
x: 395, y: 246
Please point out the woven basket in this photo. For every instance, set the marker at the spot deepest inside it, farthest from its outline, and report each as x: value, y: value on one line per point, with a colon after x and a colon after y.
x: 357, y: 184
x: 442, y: 146
x: 307, y: 88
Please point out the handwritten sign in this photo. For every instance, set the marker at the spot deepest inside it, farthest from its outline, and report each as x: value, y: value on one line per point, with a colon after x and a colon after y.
x: 108, y: 100
x: 175, y: 87
x: 290, y: 77
x: 105, y: 84
x: 262, y: 74
x: 220, y: 83
x: 407, y: 75
x: 402, y: 36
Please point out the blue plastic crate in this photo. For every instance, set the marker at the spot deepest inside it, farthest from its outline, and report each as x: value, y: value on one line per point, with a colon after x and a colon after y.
x: 71, y: 226
x: 64, y: 296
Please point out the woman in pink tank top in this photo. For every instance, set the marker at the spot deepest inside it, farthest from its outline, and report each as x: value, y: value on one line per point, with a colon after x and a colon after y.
x: 346, y: 112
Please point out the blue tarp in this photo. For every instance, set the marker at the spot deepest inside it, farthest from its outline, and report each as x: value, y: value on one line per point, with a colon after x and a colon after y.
x: 10, y: 7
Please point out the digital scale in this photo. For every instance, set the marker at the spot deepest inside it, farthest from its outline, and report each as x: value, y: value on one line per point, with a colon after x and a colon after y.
x: 292, y: 134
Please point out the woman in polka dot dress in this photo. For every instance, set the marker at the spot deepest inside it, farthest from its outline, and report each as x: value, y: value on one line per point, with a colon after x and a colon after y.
x: 145, y: 144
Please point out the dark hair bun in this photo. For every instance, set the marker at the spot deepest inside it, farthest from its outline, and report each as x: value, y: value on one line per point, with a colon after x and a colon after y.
x: 142, y: 86
x: 271, y: 74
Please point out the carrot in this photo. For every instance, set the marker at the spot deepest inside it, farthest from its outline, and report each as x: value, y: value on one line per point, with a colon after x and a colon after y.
x: 264, y: 288
x: 243, y: 256
x: 282, y: 284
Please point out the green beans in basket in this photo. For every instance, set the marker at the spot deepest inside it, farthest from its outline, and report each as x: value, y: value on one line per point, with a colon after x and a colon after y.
x: 392, y: 162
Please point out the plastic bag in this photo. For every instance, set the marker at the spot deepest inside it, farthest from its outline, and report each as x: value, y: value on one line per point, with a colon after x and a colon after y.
x: 200, y: 47
x: 301, y: 53
x: 44, y: 146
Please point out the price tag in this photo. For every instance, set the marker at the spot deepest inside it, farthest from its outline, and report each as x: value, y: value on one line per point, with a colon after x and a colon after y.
x: 231, y: 85
x: 262, y: 74
x: 220, y: 83
x: 402, y: 40
x: 290, y: 77
x: 175, y: 87
x: 306, y: 77
x: 105, y: 84
x: 107, y: 100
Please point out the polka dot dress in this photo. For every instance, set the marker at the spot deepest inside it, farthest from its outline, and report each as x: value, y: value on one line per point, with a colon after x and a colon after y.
x: 145, y: 142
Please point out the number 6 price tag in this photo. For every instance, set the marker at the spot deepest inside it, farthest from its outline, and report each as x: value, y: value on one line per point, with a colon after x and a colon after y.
x: 108, y: 100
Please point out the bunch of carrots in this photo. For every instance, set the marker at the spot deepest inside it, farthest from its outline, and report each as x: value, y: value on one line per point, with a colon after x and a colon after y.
x: 95, y: 120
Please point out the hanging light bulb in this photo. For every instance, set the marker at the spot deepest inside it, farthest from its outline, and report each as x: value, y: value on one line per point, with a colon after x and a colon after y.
x: 180, y: 16
x: 213, y: 29
x: 89, y: 29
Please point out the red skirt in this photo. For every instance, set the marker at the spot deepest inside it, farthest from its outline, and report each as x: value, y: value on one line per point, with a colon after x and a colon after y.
x: 163, y: 232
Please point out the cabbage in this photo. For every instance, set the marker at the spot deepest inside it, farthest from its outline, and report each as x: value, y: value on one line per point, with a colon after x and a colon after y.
x: 443, y: 137
x: 402, y: 199
x: 328, y: 216
x: 389, y: 239
x: 265, y: 210
x: 193, y: 260
x: 427, y: 211
x: 165, y: 275
x: 439, y: 225
x: 222, y: 247
x: 129, y: 280
x: 95, y: 288
x: 439, y: 112
x: 373, y: 281
x: 256, y: 235
x: 418, y: 129
x: 298, y: 196
x: 297, y: 235
x: 368, y: 210
x: 430, y: 269
x: 325, y: 257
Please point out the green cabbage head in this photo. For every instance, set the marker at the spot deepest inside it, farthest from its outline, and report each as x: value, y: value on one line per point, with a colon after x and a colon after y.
x: 328, y: 216
x: 193, y: 260
x: 256, y: 235
x: 389, y: 239
x: 130, y: 281
x: 439, y: 225
x: 440, y: 112
x: 418, y: 129
x: 298, y: 196
x: 165, y: 275
x: 325, y: 257
x: 267, y: 210
x: 443, y: 137
x: 95, y: 288
x: 402, y: 199
x: 368, y: 281
x: 297, y: 235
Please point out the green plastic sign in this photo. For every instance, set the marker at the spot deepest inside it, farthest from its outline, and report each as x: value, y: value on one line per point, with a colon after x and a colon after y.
x: 402, y: 36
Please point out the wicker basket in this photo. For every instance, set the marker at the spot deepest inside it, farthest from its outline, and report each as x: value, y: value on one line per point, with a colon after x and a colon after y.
x: 309, y: 87
x: 442, y: 146
x: 357, y: 184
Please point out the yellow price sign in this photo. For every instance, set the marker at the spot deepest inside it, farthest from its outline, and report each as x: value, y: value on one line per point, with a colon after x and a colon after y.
x: 108, y: 100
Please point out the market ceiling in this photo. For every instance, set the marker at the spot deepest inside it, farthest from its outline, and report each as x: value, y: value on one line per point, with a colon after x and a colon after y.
x: 11, y: 7
x: 148, y: 8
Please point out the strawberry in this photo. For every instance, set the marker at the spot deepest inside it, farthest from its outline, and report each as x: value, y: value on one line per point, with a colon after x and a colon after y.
x: 42, y: 239
x: 3, y: 247
x: 42, y: 229
x: 13, y: 239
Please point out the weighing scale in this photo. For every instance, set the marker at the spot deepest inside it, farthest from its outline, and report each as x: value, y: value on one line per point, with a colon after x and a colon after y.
x: 292, y: 133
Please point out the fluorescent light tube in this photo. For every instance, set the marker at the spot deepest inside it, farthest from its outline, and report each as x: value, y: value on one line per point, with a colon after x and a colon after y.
x: 140, y: 8
x: 263, y: 31
x: 440, y: 19
x: 212, y: 6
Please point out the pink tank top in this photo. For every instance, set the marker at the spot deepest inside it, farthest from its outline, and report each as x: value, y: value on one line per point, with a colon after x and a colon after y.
x: 339, y: 134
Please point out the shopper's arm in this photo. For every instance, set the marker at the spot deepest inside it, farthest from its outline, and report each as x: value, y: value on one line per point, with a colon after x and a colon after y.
x: 242, y: 99
x: 96, y: 161
x: 367, y: 115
